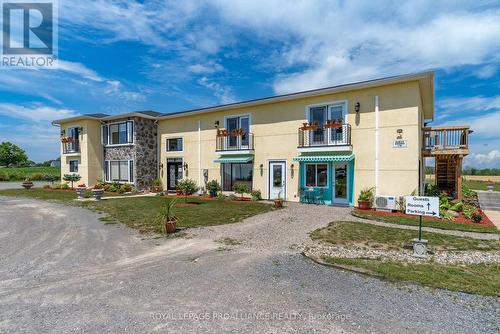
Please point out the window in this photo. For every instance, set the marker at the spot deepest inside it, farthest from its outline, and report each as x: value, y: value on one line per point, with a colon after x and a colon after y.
x: 316, y: 175
x: 118, y: 133
x: 236, y: 173
x: 174, y: 144
x: 73, y: 166
x: 234, y: 123
x: 322, y: 115
x: 119, y: 171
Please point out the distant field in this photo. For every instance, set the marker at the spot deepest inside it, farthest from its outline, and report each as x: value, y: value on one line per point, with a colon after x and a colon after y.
x: 476, y: 182
x: 34, y: 173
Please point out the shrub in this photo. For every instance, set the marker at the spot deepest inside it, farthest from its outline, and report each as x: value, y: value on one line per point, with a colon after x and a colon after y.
x: 241, y: 188
x: 231, y: 197
x: 213, y: 186
x: 457, y: 207
x: 476, y: 217
x: 88, y: 194
x: 256, y: 195
x: 156, y: 182
x: 64, y: 186
x: 187, y: 186
x: 71, y: 178
x: 46, y: 186
x: 51, y: 177
x: 113, y: 188
x: 221, y: 196
x: 125, y: 188
x: 37, y: 177
x: 469, y: 211
x: 4, y: 177
x: 431, y: 190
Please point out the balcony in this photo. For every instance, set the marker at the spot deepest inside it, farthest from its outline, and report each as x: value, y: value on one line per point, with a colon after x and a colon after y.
x: 445, y: 140
x: 70, y: 146
x: 332, y: 136
x: 234, y: 142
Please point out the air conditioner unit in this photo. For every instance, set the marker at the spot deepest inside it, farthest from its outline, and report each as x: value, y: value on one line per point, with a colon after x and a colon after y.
x: 385, y: 203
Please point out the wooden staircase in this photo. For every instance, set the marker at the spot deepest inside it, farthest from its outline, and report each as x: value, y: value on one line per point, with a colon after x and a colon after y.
x: 448, y: 145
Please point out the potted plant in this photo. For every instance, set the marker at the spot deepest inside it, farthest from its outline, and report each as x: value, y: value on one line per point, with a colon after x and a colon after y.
x: 157, y: 185
x: 213, y: 188
x: 98, y: 191
x: 241, y: 188
x: 80, y: 190
x: 166, y: 217
x: 188, y: 187
x: 27, y: 184
x: 365, y: 198
x: 278, y: 202
x: 71, y: 178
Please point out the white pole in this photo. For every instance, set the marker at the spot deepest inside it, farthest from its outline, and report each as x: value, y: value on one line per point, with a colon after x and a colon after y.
x: 199, y: 154
x: 376, y: 146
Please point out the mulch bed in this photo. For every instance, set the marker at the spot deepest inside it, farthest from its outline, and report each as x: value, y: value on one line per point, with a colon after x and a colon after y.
x: 461, y: 219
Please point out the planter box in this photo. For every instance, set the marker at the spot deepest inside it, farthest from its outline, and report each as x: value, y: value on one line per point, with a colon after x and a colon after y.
x: 80, y: 192
x: 97, y: 193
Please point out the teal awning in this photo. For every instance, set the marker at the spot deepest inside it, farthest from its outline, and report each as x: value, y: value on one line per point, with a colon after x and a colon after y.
x: 238, y: 159
x: 325, y: 158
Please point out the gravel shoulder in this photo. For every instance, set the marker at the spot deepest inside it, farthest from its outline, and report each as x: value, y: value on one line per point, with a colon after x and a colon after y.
x: 62, y: 270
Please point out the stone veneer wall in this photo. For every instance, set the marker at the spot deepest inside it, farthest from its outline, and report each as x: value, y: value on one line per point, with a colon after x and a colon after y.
x: 143, y: 152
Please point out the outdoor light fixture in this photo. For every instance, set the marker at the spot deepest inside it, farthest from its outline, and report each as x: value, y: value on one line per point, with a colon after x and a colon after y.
x: 357, y: 106
x: 261, y: 169
x: 216, y: 124
x: 291, y: 170
x: 185, y: 166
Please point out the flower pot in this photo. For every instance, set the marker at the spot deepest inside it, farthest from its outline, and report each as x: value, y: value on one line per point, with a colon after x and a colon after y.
x: 27, y: 184
x: 278, y: 203
x: 213, y: 193
x: 80, y: 192
x: 97, y: 193
x: 170, y: 226
x: 364, y: 205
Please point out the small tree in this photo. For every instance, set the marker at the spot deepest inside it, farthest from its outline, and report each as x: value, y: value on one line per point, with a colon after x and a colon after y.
x: 241, y: 188
x: 71, y: 178
x: 188, y: 187
x: 51, y: 178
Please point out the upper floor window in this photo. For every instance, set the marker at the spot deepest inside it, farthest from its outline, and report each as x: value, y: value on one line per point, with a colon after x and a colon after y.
x: 174, y: 144
x: 327, y: 112
x: 118, y: 133
x: 235, y: 123
x: 73, y: 166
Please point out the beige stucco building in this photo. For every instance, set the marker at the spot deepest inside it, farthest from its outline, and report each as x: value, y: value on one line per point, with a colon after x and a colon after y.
x: 329, y: 143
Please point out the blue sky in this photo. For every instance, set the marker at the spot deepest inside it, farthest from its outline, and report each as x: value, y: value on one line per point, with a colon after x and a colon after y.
x: 118, y: 56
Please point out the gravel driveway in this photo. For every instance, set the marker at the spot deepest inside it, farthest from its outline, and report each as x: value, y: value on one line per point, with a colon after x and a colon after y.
x: 62, y: 270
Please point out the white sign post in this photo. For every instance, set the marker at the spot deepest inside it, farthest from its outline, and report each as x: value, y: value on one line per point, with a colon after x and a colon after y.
x: 421, y: 206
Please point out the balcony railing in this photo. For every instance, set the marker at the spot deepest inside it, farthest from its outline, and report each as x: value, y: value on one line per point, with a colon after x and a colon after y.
x: 330, y: 134
x: 72, y: 146
x: 234, y: 142
x: 446, y: 139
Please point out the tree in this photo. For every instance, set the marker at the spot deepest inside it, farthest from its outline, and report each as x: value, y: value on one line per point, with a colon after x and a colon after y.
x: 71, y: 178
x: 188, y: 187
x: 241, y: 188
x: 12, y: 155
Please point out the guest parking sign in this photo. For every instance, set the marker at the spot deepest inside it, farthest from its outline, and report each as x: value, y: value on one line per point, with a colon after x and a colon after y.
x: 422, y: 206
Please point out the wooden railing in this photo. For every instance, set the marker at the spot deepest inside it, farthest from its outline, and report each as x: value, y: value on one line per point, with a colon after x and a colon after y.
x: 446, y: 138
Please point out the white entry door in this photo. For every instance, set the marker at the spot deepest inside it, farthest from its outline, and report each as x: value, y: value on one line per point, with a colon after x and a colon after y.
x: 340, y: 184
x: 277, y: 179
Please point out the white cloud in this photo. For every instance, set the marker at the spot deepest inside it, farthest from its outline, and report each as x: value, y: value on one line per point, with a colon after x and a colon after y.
x: 480, y: 160
x: 474, y: 103
x: 79, y: 69
x: 223, y: 94
x: 486, y: 72
x: 34, y: 112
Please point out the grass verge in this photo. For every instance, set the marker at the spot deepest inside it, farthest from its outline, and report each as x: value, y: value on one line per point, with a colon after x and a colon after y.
x: 359, y: 234
x: 140, y: 212
x: 443, y: 225
x: 481, y: 279
x: 481, y: 185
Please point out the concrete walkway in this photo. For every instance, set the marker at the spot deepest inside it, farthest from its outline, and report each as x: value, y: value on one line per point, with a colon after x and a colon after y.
x: 17, y: 184
x: 489, y: 201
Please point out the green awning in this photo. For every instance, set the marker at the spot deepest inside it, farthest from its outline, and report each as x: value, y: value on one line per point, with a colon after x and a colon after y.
x: 324, y: 158
x: 235, y: 159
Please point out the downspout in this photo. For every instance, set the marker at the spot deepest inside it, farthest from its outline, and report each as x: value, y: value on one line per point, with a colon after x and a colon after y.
x: 158, y: 149
x: 199, y: 154
x: 376, y: 147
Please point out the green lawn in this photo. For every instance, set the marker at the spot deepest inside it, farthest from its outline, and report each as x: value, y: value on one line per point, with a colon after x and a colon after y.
x: 372, y: 236
x: 478, y: 185
x: 472, y: 278
x: 444, y: 225
x: 481, y: 279
x: 140, y: 212
x: 20, y: 173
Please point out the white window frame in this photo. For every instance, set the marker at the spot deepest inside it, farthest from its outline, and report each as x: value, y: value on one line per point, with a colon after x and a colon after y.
x: 316, y: 174
x: 109, y: 134
x: 169, y: 138
x: 77, y: 164
x: 249, y: 116
x: 329, y: 105
x: 108, y: 171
